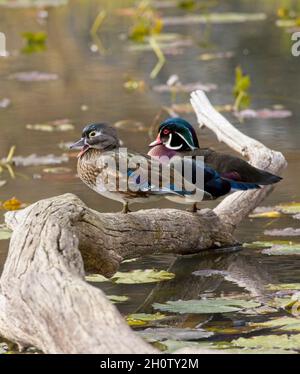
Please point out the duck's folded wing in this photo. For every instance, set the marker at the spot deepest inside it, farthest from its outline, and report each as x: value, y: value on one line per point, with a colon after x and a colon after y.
x: 235, y: 168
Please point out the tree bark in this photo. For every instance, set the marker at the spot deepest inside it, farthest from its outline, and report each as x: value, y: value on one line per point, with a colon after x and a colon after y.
x: 44, y: 299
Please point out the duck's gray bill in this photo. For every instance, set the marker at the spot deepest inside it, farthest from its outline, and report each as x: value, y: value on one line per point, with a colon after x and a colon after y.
x: 78, y: 144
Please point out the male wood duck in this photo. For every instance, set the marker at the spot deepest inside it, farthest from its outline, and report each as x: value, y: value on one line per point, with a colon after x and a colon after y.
x: 127, y: 177
x: 176, y: 137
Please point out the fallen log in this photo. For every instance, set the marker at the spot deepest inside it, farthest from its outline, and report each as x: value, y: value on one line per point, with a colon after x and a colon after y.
x: 44, y: 299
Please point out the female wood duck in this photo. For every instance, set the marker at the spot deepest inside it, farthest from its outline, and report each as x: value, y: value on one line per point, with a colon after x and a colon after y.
x: 121, y: 175
x: 223, y: 173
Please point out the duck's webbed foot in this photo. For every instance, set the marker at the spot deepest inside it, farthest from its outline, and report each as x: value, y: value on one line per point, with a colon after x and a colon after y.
x: 125, y: 209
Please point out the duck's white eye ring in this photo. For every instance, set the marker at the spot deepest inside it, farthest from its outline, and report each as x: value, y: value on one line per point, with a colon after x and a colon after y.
x: 92, y: 134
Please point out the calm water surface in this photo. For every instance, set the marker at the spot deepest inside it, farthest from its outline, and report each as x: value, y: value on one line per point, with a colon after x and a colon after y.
x: 96, y: 81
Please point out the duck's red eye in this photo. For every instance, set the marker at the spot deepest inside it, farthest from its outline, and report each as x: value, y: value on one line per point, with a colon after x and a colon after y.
x: 166, y: 131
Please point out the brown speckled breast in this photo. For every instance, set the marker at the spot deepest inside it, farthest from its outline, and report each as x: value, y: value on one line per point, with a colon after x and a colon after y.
x: 88, y: 167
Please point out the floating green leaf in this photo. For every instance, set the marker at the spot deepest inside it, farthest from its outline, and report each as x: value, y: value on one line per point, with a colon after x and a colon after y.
x: 96, y: 278
x: 268, y: 244
x: 117, y: 299
x: 283, y: 250
x: 269, y: 342
x: 283, y: 286
x: 58, y: 125
x: 291, y: 208
x: 282, y: 323
x: 35, y: 42
x: 165, y: 333
x: 140, y: 319
x: 241, y: 89
x: 173, y: 345
x: 206, y: 306
x: 5, y: 232
x: 142, y: 276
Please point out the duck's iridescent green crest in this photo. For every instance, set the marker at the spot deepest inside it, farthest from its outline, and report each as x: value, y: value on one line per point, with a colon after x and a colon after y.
x: 176, y: 134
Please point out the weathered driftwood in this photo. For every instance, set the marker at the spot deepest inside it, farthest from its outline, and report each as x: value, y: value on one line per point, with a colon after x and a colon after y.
x: 44, y: 299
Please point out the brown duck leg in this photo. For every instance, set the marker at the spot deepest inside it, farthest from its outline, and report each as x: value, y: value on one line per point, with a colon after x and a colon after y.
x: 194, y: 208
x: 125, y: 209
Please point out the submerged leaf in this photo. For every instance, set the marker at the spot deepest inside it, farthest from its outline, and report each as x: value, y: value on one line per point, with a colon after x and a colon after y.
x: 205, y: 306
x: 142, y: 276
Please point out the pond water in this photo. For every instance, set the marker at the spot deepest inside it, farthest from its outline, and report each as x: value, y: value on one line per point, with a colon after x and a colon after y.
x: 90, y: 87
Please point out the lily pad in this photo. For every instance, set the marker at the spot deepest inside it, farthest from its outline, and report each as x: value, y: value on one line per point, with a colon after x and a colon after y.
x: 31, y: 3
x: 268, y: 214
x: 96, y: 278
x: 268, y: 244
x: 35, y: 160
x: 288, y: 231
x: 217, y: 18
x: 142, y: 276
x: 57, y: 170
x: 35, y: 42
x: 33, y: 76
x: 263, y: 113
x: 117, y: 299
x: 5, y: 232
x: 283, y: 250
x: 206, y: 306
x: 58, y: 125
x: 269, y: 342
x: 215, y: 56
x: 282, y: 323
x: 166, y: 333
x: 140, y: 319
x: 12, y: 204
x: 5, y: 102
x: 188, y: 87
x: 291, y: 208
x: 172, y: 345
x: 283, y: 286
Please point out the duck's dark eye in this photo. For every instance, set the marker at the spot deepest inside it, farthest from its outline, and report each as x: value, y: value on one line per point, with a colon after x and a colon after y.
x: 92, y: 134
x: 166, y: 131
